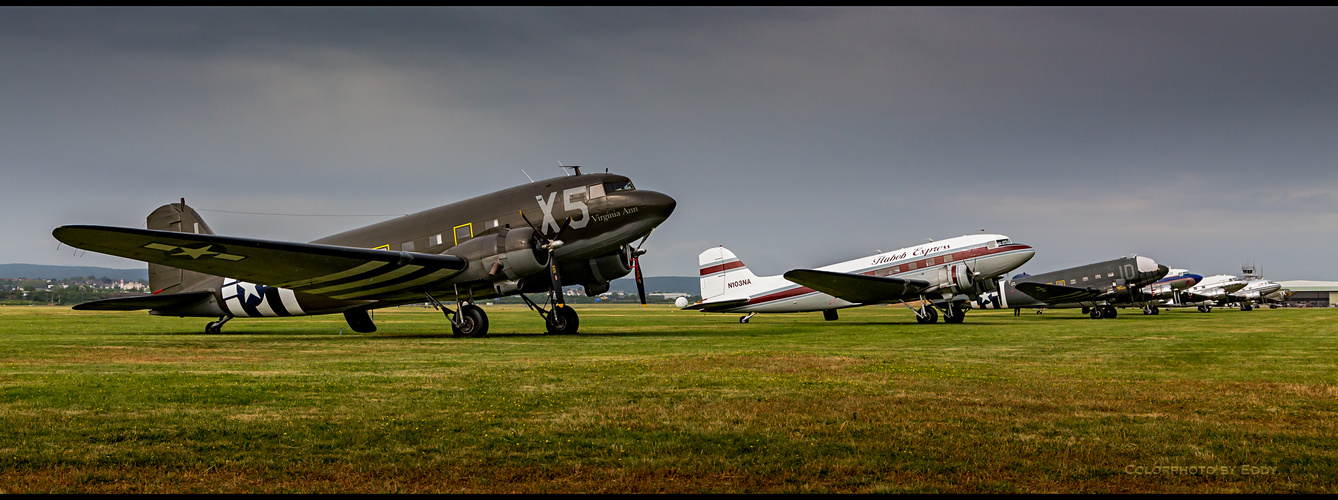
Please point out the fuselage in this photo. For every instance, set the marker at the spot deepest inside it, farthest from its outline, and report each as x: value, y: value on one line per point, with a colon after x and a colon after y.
x: 984, y: 255
x: 1177, y: 279
x: 1115, y: 279
x: 595, y: 216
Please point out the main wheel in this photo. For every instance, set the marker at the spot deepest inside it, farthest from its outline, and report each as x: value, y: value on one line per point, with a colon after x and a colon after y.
x: 563, y: 321
x: 473, y: 322
x: 955, y: 315
x: 1111, y: 312
x: 928, y: 315
x: 213, y: 328
x: 1097, y: 313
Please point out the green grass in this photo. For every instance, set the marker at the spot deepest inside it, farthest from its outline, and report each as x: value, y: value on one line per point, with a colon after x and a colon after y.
x: 659, y: 400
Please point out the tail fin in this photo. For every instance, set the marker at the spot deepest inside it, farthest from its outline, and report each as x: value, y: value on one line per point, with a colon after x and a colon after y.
x: 719, y: 266
x: 183, y: 219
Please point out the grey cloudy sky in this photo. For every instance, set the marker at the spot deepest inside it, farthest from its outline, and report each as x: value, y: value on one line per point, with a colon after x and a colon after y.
x: 797, y: 137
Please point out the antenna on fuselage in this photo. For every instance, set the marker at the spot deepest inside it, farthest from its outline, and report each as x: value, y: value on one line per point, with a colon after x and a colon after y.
x: 576, y: 168
x: 527, y: 175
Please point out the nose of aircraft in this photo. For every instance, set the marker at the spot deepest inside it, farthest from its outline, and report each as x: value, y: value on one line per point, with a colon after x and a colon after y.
x: 658, y: 205
x: 1194, y: 279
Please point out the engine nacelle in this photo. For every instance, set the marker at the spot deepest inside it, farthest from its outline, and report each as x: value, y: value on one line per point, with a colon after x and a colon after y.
x: 506, y: 255
x: 960, y: 277
x: 612, y: 266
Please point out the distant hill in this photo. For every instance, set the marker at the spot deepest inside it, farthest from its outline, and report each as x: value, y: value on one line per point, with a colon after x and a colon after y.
x: 36, y: 271
x: 684, y: 284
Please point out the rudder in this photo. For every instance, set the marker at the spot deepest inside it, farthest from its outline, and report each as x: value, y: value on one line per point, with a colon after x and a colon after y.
x: 182, y: 219
x: 719, y: 266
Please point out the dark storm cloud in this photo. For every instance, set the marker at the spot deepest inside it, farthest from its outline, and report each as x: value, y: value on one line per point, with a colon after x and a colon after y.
x: 795, y: 136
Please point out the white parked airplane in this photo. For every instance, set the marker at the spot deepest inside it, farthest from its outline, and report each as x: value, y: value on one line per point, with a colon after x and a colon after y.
x: 1253, y: 293
x: 1210, y: 291
x: 940, y: 274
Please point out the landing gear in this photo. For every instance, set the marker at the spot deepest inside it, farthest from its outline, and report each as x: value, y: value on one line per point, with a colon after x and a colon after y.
x: 1204, y: 309
x: 470, y: 321
x: 926, y: 315
x: 1101, y: 312
x: 744, y: 319
x: 216, y: 327
x: 562, y: 321
x: 954, y: 314
x: 1246, y: 307
x: 1151, y: 310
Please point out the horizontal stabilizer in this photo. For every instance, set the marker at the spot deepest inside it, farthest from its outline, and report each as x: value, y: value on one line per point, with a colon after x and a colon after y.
x: 1058, y: 294
x: 717, y: 306
x: 308, y: 267
x: 146, y: 302
x: 858, y: 288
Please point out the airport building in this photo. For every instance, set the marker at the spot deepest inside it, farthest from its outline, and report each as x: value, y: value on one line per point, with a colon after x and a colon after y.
x: 1311, y: 293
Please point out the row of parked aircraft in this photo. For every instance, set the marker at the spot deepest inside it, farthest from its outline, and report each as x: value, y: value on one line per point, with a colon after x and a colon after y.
x: 963, y: 273
x: 579, y: 229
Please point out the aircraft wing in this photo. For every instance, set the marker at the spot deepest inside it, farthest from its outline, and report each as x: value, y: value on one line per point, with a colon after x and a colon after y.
x: 311, y: 268
x: 145, y: 302
x: 857, y: 288
x: 1058, y: 294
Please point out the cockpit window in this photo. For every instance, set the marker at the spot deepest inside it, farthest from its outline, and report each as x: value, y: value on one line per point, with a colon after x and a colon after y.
x: 614, y: 186
x: 1004, y: 241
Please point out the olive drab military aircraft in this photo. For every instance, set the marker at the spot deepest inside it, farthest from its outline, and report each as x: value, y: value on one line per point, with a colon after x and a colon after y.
x: 1097, y: 288
x: 532, y: 238
x: 939, y: 275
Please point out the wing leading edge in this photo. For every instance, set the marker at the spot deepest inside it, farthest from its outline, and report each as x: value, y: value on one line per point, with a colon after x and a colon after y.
x: 328, y: 270
x: 858, y: 288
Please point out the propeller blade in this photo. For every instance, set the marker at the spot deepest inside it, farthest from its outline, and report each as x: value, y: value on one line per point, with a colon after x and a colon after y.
x: 556, y: 282
x: 640, y: 284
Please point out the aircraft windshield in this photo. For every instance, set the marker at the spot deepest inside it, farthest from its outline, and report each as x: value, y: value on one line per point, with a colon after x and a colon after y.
x: 613, y: 186
x: 1004, y: 241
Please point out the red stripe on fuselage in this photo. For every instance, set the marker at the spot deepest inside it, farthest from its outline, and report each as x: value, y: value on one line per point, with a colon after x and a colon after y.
x: 783, y: 294
x: 961, y: 255
x: 722, y: 267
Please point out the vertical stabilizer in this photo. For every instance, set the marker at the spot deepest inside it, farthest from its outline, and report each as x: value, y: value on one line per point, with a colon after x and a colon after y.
x: 183, y: 219
x: 719, y: 266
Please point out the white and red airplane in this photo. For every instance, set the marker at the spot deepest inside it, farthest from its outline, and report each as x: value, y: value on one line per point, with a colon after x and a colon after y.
x: 940, y: 274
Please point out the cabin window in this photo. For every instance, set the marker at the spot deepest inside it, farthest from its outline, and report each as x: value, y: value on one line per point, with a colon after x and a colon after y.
x: 1084, y: 279
x: 434, y: 240
x: 463, y: 232
x: 407, y: 246
x: 596, y: 191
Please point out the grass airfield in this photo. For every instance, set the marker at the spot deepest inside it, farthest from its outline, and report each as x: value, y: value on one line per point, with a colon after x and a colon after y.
x: 656, y: 400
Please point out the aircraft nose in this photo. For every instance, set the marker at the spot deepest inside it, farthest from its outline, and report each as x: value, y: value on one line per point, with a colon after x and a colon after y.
x: 658, y: 205
x: 1194, y: 279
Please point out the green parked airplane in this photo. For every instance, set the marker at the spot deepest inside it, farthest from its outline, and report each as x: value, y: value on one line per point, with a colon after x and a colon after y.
x: 532, y: 238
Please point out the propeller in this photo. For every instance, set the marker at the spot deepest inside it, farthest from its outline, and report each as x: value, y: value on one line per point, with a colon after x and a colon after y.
x: 636, y: 265
x: 551, y: 244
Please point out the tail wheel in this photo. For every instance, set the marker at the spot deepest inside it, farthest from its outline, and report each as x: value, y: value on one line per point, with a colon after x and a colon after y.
x: 563, y: 321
